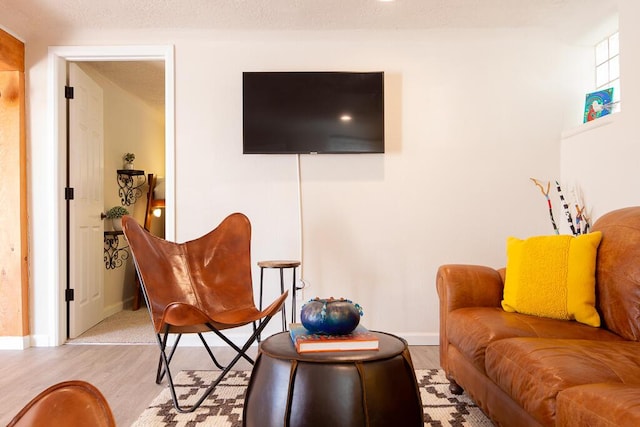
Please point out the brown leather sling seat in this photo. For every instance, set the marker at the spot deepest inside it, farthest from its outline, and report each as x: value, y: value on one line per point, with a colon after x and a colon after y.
x: 203, y: 285
x: 69, y: 403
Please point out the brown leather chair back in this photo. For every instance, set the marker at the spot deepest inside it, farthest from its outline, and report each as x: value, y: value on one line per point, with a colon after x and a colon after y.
x: 203, y: 285
x: 618, y: 272
x: 69, y: 403
x: 196, y: 281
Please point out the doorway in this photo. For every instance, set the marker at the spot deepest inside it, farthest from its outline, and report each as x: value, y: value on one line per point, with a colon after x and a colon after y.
x: 59, y: 57
x: 129, y: 100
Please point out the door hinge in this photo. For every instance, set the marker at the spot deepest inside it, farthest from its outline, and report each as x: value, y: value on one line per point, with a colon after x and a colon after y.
x: 68, y: 295
x: 68, y: 92
x: 68, y: 193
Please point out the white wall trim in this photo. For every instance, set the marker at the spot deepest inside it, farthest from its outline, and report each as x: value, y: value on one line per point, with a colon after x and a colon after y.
x: 420, y: 338
x: 15, y: 343
x: 586, y: 127
x: 54, y: 225
x: 41, y: 341
x: 11, y: 33
x: 191, y: 340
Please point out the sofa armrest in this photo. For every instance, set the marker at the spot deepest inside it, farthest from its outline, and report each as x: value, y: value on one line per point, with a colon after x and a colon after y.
x: 465, y: 286
x: 469, y: 286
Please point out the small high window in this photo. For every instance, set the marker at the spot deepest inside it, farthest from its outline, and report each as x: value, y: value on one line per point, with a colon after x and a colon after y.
x: 607, y: 67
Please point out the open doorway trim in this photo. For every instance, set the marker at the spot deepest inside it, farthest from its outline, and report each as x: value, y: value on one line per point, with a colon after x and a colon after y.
x: 54, y: 225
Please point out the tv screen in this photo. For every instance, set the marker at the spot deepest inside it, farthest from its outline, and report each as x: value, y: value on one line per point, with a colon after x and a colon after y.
x: 313, y: 112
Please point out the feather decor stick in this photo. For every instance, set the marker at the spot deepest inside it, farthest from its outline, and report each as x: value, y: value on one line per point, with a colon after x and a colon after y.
x: 582, y: 221
x: 545, y: 193
x: 583, y: 218
x: 565, y: 207
x: 581, y: 224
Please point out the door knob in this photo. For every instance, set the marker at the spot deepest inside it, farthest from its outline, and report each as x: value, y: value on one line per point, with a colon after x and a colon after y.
x: 103, y: 215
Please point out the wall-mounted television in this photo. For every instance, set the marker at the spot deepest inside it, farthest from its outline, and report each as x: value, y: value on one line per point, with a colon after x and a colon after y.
x: 313, y: 112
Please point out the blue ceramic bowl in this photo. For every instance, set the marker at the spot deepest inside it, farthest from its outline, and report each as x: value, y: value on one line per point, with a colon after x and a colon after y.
x: 330, y: 316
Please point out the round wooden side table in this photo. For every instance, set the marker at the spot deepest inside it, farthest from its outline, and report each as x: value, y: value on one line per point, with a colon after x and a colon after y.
x: 344, y: 389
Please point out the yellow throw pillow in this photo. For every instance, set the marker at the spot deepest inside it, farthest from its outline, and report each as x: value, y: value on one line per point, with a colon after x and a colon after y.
x: 553, y: 276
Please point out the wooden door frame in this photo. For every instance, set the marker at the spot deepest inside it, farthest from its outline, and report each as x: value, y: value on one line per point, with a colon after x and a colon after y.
x: 57, y: 59
x: 14, y: 294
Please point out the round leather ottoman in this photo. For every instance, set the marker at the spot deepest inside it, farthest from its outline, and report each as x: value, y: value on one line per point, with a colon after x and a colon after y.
x: 342, y: 389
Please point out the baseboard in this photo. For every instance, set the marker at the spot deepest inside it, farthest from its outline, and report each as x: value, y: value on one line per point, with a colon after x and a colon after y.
x: 192, y: 340
x: 21, y: 343
x: 420, y: 338
x: 112, y: 309
x: 15, y: 343
x: 42, y: 341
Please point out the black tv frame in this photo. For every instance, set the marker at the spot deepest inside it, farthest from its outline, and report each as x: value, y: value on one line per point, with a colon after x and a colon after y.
x: 299, y: 112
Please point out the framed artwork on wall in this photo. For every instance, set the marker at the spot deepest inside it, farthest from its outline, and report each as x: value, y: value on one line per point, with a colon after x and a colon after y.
x: 598, y: 104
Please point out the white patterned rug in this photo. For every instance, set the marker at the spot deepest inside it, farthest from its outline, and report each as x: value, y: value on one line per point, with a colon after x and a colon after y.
x: 223, y: 408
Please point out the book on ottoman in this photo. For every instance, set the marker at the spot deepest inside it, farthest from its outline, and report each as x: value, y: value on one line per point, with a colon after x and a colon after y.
x: 306, y: 342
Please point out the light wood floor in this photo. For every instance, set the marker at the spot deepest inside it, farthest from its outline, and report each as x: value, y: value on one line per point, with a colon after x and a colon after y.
x: 125, y: 374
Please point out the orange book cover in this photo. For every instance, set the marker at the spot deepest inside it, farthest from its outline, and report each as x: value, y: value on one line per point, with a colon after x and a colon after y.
x: 306, y: 342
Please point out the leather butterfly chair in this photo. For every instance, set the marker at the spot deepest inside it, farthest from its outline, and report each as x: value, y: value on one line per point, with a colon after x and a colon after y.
x: 203, y: 285
x: 69, y: 403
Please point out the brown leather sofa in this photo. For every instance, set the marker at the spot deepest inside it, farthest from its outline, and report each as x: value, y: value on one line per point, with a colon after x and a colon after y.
x: 531, y: 371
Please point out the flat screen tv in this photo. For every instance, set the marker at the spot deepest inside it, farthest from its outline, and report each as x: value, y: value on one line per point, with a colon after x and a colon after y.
x: 313, y: 112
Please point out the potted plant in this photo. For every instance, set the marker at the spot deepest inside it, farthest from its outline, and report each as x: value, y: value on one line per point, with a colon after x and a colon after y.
x: 128, y: 160
x: 115, y: 214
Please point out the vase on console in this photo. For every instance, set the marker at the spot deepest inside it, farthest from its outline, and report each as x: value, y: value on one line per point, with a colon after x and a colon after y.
x: 128, y: 159
x: 330, y: 316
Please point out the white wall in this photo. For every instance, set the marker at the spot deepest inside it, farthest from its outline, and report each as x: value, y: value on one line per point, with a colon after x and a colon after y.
x: 130, y: 126
x: 604, y: 156
x: 471, y: 116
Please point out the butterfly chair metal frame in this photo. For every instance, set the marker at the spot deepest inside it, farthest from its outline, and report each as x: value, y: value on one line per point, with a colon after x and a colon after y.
x: 203, y: 285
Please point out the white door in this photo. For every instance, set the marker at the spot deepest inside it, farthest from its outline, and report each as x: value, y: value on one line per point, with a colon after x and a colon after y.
x: 86, y: 228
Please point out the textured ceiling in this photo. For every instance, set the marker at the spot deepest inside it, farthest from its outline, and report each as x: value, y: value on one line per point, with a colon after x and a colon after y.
x: 29, y: 16
x: 34, y: 19
x: 144, y: 79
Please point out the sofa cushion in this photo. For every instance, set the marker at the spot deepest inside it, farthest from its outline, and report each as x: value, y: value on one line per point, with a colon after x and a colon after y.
x: 553, y: 276
x: 599, y: 405
x: 618, y: 272
x: 472, y: 329
x: 533, y: 371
